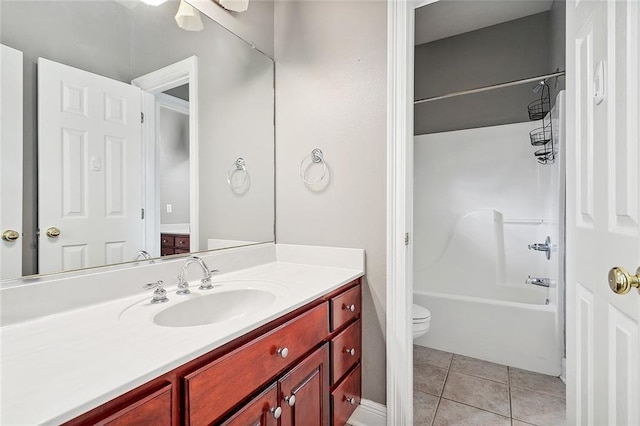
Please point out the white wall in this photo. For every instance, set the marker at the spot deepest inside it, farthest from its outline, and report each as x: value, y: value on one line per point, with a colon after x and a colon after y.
x: 331, y: 94
x: 486, y: 168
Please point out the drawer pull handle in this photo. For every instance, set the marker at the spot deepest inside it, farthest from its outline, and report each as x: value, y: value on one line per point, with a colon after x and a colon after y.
x: 351, y: 308
x: 276, y: 412
x: 283, y: 352
x: 351, y: 401
x: 351, y: 351
x: 291, y: 400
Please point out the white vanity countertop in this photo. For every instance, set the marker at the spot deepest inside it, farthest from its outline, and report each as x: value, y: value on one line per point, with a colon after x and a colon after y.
x: 59, y: 366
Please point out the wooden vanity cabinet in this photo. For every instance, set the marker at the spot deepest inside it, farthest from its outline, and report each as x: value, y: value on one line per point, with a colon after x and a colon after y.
x: 174, y: 244
x: 215, y: 388
x: 257, y: 412
x: 304, y: 391
x: 250, y: 380
x: 346, y: 346
x: 151, y: 403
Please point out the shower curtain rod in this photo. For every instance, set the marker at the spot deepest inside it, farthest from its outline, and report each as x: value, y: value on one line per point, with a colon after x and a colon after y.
x: 495, y: 86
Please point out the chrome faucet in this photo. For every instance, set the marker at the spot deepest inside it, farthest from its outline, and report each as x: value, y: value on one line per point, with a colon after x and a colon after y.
x: 159, y: 293
x: 542, y: 282
x: 205, y: 282
x: 545, y: 247
x: 144, y: 255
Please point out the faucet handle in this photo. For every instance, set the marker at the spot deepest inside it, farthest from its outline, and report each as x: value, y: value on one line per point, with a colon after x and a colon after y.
x: 159, y: 294
x: 205, y: 283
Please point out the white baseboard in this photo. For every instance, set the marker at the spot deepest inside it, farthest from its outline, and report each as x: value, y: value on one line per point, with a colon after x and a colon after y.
x: 369, y: 413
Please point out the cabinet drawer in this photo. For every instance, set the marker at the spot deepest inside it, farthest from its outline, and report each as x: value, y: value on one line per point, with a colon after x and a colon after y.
x: 167, y: 240
x: 181, y: 242
x: 258, y: 410
x: 345, y: 350
x: 344, y: 307
x: 346, y: 398
x: 153, y: 409
x: 215, y: 388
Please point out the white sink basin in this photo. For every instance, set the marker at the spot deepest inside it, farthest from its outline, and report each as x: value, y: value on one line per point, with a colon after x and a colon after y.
x: 228, y: 300
x: 215, y: 307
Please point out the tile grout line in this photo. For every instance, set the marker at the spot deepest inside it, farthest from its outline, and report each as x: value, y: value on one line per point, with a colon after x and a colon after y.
x: 540, y: 392
x: 446, y: 377
x: 478, y: 408
x: 433, y: 419
x: 509, y: 388
x: 484, y: 378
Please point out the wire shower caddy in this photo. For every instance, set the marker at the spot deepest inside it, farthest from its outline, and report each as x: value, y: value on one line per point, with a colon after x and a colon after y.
x: 542, y: 137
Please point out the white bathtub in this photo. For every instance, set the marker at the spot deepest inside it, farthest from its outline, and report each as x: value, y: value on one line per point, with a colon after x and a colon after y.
x: 517, y: 334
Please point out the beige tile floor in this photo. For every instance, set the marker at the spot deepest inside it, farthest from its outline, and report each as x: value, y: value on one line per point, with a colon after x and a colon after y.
x: 455, y: 390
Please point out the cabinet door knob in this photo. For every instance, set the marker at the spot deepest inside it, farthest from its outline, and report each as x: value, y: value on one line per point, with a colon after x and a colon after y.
x: 276, y: 412
x: 283, y: 352
x: 290, y: 399
x: 351, y: 351
x: 351, y: 308
x: 351, y: 401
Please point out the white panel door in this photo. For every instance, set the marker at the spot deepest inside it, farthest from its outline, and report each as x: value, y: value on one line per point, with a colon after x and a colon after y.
x: 90, y: 169
x: 603, y: 217
x: 11, y: 162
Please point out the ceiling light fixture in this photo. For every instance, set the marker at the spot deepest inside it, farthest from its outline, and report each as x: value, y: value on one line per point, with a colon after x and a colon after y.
x: 234, y: 5
x: 188, y: 18
x: 153, y: 2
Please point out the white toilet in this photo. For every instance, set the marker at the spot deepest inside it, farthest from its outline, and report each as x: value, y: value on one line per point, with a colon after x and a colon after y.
x: 421, y: 321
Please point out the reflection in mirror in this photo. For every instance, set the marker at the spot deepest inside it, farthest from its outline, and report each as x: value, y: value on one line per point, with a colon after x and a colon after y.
x: 105, y: 184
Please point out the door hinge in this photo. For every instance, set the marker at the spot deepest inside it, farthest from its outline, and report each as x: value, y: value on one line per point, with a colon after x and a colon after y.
x: 142, y: 117
x: 406, y: 239
x: 142, y: 214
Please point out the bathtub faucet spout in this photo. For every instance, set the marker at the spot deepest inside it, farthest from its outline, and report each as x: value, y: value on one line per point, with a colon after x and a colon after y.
x: 542, y: 282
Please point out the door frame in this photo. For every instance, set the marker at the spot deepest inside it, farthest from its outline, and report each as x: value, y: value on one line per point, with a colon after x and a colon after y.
x: 177, y: 74
x: 400, y: 39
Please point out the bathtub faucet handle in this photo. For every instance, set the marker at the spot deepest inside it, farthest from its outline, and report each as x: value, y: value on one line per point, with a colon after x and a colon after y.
x: 545, y: 247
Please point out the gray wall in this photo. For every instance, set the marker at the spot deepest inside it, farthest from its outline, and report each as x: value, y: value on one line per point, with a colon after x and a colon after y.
x: 174, y: 166
x: 558, y: 45
x: 235, y: 118
x: 510, y: 51
x: 255, y: 25
x: 49, y: 29
x: 331, y: 94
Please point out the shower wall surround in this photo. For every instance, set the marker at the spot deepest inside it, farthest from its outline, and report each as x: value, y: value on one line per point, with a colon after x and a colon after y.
x: 463, y: 171
x: 479, y: 200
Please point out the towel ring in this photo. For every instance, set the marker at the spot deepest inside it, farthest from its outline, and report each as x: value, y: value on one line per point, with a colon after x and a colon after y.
x: 237, y: 167
x: 316, y: 157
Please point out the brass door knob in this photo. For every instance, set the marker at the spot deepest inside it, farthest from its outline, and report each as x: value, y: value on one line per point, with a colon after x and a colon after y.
x: 10, y: 235
x: 621, y: 281
x: 53, y: 232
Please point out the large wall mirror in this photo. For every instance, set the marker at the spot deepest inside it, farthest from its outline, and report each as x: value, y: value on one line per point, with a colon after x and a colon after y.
x: 126, y: 137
